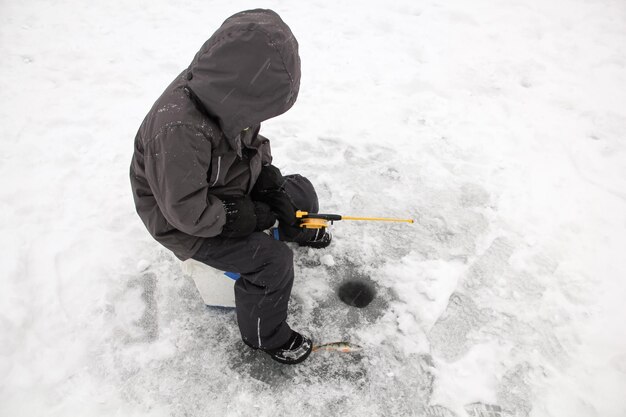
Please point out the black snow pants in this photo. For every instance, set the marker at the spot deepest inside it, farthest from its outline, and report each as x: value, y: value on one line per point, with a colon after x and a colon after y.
x: 266, y: 267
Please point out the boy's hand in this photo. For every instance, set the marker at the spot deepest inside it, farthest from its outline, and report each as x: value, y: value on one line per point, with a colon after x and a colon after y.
x: 281, y: 204
x: 264, y: 216
x: 240, y: 218
x: 270, y: 179
x: 269, y: 188
x: 244, y: 216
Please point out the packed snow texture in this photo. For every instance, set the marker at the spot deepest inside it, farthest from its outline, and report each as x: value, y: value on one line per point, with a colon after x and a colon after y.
x: 498, y: 125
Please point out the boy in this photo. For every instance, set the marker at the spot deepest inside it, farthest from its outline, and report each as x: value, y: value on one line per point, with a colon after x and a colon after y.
x: 202, y: 177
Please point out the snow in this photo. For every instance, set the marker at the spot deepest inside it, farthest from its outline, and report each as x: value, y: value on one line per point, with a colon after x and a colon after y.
x: 498, y: 125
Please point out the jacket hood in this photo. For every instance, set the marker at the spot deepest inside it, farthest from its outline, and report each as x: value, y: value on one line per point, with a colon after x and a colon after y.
x: 247, y: 72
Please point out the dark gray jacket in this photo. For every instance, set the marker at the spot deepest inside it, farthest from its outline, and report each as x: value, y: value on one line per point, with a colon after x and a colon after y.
x: 200, y: 140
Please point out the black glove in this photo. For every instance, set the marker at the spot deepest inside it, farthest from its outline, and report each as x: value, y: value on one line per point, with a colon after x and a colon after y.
x: 270, y: 179
x: 240, y: 218
x: 269, y: 189
x: 244, y: 216
x: 264, y: 216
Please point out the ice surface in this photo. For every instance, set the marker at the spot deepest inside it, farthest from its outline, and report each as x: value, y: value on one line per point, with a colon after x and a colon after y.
x: 498, y: 125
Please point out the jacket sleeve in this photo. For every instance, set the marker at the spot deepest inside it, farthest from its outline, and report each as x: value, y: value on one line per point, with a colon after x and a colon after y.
x: 177, y: 162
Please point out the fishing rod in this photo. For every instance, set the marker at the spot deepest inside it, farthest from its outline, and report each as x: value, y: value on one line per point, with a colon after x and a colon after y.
x: 320, y: 220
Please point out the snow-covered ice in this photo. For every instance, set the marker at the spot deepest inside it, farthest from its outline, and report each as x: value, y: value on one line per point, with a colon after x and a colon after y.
x: 498, y: 125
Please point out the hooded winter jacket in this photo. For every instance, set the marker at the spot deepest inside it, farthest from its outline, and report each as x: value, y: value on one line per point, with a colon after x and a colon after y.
x: 200, y: 140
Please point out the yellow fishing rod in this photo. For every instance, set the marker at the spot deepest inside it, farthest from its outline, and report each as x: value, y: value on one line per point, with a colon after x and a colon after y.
x: 319, y: 220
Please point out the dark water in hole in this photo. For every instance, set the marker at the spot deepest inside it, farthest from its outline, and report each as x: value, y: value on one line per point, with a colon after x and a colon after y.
x: 356, y: 293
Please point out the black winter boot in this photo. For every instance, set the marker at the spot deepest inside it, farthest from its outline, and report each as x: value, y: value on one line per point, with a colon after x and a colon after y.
x: 321, y: 239
x: 294, y: 351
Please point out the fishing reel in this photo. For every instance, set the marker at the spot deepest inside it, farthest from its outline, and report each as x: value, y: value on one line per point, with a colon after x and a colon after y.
x: 315, y: 220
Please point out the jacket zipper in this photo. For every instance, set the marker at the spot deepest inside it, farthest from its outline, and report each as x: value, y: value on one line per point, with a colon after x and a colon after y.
x: 219, y: 165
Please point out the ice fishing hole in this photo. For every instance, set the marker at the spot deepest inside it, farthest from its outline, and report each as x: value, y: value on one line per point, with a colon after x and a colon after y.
x: 356, y: 293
